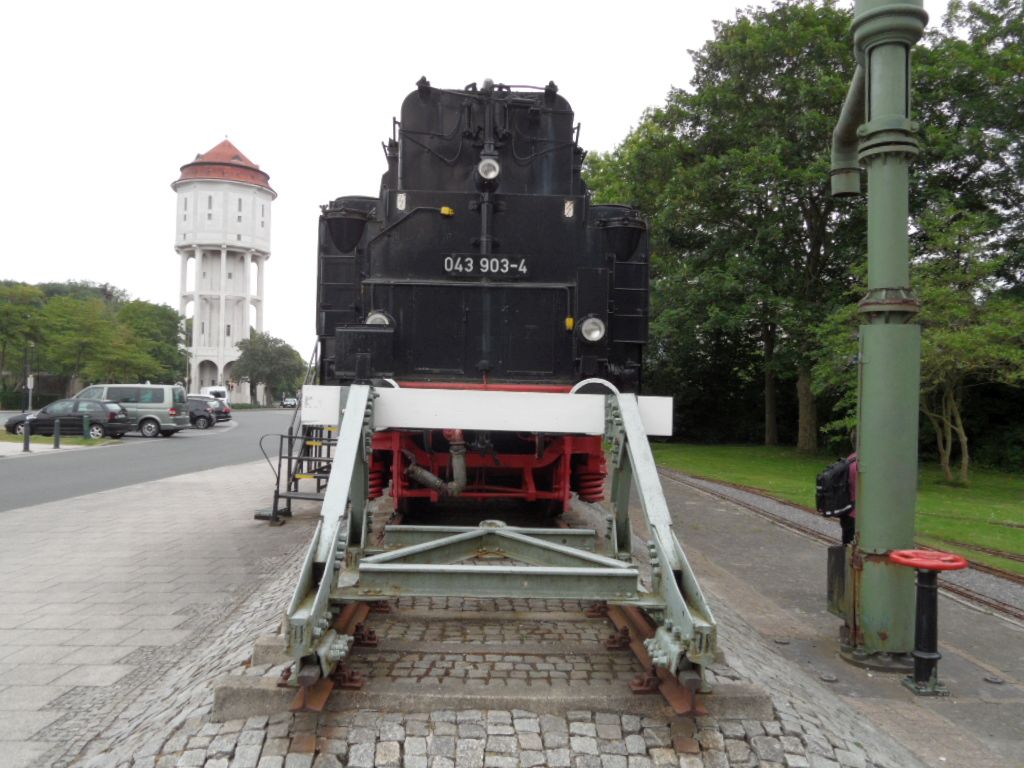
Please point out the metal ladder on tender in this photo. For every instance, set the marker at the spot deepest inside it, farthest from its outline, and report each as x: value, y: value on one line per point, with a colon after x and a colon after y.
x: 343, y: 570
x: 305, y: 453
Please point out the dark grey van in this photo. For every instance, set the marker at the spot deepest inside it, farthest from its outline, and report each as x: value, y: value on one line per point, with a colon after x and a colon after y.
x: 155, y: 409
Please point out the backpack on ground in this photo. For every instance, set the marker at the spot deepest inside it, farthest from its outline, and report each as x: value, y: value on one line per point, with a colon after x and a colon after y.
x: 833, y: 494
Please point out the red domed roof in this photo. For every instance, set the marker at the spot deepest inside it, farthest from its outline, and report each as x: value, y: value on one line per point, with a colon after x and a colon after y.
x: 225, y: 163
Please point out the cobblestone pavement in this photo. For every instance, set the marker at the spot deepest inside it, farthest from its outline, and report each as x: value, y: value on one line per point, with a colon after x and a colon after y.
x: 811, y: 728
x: 108, y: 648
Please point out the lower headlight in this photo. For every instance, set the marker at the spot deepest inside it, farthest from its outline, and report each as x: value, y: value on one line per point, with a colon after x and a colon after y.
x: 592, y: 329
x: 378, y: 318
x: 489, y: 168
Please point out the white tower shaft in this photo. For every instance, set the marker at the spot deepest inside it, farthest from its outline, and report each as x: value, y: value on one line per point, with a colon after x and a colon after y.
x: 223, y: 228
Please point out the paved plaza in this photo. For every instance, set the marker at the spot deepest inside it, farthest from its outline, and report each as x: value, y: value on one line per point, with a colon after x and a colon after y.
x: 122, y: 608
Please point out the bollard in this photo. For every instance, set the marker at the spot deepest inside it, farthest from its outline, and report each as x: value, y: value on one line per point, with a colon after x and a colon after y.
x: 928, y: 563
x: 56, y: 433
x: 85, y: 425
x: 26, y: 435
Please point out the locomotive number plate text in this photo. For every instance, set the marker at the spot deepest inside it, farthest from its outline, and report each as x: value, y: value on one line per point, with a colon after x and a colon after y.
x: 468, y: 265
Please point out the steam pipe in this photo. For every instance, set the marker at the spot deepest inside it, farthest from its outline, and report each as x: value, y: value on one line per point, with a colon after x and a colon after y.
x: 423, y: 476
x: 845, y: 174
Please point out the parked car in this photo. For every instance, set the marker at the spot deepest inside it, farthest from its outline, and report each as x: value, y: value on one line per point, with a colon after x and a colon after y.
x: 221, y: 410
x: 106, y: 419
x: 154, y: 409
x: 200, y: 413
x: 289, y: 402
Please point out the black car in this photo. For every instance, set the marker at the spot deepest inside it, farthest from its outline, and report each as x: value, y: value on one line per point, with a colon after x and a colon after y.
x: 221, y: 410
x: 106, y: 419
x: 201, y: 413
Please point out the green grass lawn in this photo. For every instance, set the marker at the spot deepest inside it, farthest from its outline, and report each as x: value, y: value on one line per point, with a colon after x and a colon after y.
x: 48, y: 439
x: 988, y: 513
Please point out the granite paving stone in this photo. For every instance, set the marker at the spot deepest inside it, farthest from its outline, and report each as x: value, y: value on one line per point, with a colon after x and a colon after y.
x: 387, y: 755
x: 586, y: 745
x: 361, y: 755
x: 246, y: 756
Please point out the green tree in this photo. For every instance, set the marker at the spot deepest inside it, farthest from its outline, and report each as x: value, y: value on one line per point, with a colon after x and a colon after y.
x: 972, y: 329
x: 82, y: 341
x: 750, y: 251
x: 271, y: 362
x: 156, y: 329
x: 972, y: 334
x: 970, y: 97
x: 21, y: 307
x: 85, y: 289
x: 968, y: 233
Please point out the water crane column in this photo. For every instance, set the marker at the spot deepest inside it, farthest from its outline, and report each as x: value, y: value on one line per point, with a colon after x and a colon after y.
x: 875, y: 131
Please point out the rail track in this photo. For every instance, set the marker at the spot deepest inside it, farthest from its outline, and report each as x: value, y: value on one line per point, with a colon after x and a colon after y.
x: 964, y: 593
x: 498, y: 652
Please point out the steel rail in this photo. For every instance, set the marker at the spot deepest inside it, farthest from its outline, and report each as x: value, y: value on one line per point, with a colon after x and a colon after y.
x: 964, y: 593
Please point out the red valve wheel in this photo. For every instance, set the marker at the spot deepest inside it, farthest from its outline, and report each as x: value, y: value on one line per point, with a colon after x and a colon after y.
x: 927, y: 559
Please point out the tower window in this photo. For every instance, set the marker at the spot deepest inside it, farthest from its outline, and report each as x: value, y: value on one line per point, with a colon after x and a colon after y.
x: 228, y: 332
x: 209, y: 217
x: 239, y: 205
x: 184, y: 217
x: 238, y: 237
x: 202, y: 327
x: 184, y: 204
x: 263, y: 210
x: 229, y: 275
x: 239, y: 218
x: 209, y: 202
x: 261, y: 225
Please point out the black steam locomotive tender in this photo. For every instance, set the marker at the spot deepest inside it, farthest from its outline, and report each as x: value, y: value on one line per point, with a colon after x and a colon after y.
x: 482, y: 262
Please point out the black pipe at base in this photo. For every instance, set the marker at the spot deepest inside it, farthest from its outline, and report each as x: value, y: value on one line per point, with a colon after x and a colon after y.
x: 925, y: 680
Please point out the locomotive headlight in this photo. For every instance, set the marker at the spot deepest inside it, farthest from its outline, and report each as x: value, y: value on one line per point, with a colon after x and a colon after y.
x: 489, y: 168
x: 592, y: 329
x: 378, y: 318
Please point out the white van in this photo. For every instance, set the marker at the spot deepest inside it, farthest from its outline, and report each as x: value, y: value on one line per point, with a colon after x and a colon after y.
x: 221, y: 393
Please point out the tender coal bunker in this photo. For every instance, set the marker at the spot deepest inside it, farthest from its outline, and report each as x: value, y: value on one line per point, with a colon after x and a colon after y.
x: 346, y: 219
x: 483, y: 250
x: 622, y: 228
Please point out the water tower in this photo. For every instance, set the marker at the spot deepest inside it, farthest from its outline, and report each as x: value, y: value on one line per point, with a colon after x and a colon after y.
x: 223, y: 226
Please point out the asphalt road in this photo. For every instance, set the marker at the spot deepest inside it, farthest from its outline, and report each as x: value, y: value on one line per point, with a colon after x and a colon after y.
x: 29, y: 480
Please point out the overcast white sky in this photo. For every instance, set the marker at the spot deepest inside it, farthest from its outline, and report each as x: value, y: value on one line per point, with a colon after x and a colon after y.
x: 103, y: 102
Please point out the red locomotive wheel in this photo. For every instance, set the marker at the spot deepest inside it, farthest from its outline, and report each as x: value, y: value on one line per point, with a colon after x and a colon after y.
x: 927, y: 559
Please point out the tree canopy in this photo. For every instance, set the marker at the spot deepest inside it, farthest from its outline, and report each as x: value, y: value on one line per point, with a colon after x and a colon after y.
x: 269, y: 361
x: 756, y: 269
x: 81, y: 332
x: 734, y: 175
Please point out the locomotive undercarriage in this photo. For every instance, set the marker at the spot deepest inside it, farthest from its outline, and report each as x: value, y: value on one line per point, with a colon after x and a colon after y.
x: 536, y: 468
x: 384, y: 432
